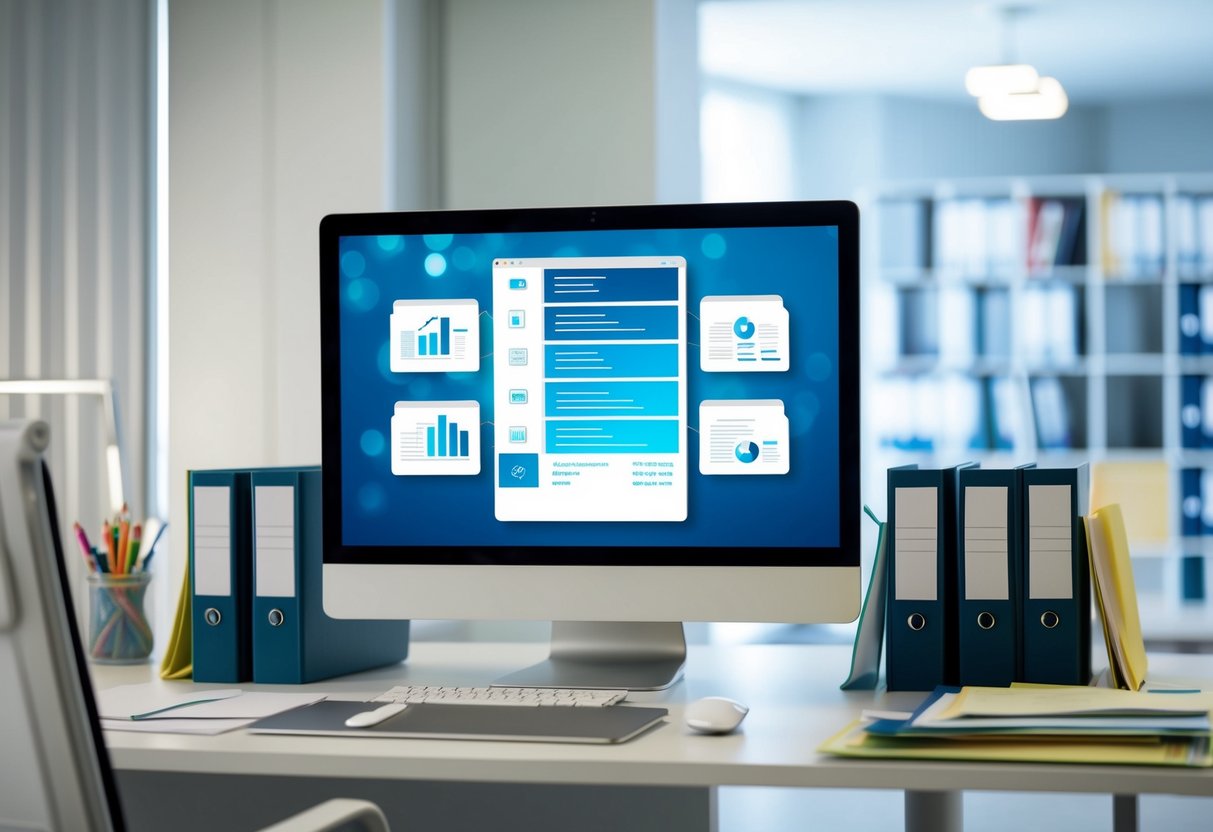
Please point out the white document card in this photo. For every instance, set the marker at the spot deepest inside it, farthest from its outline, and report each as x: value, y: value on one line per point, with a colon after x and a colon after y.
x: 274, y: 561
x: 212, y: 540
x: 985, y: 538
x: 916, y: 537
x: 1049, y: 542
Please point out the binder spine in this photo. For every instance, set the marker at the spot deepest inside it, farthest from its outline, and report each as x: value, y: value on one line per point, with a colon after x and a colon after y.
x: 988, y: 587
x: 920, y: 625
x: 277, y: 614
x: 1057, y: 602
x: 220, y: 563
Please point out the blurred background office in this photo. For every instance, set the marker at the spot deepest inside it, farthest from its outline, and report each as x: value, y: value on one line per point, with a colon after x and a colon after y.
x: 1033, y: 289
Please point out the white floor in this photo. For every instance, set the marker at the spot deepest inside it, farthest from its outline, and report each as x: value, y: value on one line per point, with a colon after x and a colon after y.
x: 829, y: 810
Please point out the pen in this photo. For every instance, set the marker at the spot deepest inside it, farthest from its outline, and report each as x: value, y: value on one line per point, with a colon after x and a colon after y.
x: 124, y: 538
x: 151, y: 549
x: 85, y: 546
x: 133, y: 554
x: 108, y: 540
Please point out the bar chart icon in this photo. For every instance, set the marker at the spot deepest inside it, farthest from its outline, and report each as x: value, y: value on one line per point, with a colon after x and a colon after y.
x: 436, y: 438
x: 435, y: 336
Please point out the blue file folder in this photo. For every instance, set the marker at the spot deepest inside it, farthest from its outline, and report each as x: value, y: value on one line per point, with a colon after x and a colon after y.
x: 1057, y: 577
x: 1191, y: 411
x: 220, y: 575
x: 988, y: 560
x: 293, y: 640
x: 921, y: 621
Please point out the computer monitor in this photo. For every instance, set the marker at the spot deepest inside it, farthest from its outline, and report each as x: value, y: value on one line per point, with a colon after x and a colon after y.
x: 616, y: 419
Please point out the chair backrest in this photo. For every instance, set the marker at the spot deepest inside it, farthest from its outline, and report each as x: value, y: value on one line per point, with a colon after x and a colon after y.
x: 54, y: 769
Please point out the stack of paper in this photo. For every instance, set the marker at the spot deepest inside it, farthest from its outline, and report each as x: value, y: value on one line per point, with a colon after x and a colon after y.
x: 1041, y: 723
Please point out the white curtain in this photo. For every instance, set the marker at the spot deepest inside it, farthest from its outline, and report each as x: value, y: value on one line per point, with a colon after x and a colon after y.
x: 76, y: 150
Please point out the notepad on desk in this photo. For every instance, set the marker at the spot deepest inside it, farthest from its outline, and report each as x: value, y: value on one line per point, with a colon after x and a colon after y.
x: 161, y: 709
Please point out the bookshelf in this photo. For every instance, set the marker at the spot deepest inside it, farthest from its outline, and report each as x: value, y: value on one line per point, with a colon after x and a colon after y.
x: 1056, y: 319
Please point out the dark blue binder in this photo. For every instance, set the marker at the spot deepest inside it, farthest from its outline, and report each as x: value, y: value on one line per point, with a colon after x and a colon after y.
x: 988, y: 560
x: 1191, y: 505
x: 1056, y: 576
x: 220, y: 575
x: 922, y: 531
x: 1190, y: 342
x: 1191, y: 412
x: 293, y: 640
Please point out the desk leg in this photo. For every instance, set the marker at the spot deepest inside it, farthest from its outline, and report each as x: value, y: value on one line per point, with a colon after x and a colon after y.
x: 1124, y: 813
x: 935, y: 812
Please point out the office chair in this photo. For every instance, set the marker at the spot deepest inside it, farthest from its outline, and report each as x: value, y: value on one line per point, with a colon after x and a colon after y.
x: 55, y: 771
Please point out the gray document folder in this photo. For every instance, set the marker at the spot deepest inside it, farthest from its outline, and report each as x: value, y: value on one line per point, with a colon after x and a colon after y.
x: 612, y: 724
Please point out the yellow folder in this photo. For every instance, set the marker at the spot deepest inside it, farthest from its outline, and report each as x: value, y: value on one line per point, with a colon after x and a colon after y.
x: 1112, y: 572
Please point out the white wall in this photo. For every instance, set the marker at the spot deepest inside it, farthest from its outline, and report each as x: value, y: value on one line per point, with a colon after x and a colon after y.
x: 555, y: 103
x: 277, y: 116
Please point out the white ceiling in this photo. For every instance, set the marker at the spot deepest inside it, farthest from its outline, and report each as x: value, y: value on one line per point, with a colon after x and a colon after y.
x: 1101, y: 50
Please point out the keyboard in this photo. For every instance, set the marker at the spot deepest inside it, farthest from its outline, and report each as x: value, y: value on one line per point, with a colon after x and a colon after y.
x: 522, y: 697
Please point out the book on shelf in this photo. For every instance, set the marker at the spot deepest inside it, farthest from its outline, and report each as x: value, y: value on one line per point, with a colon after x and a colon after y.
x: 1056, y: 234
x: 975, y: 237
x: 1132, y: 234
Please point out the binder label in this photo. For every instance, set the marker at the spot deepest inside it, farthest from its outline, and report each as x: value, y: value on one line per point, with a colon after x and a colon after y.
x: 985, y: 543
x: 1049, y: 542
x: 212, y: 540
x: 916, y: 536
x: 274, y: 509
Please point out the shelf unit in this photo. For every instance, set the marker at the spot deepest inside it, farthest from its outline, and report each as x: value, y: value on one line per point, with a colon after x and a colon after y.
x: 1051, y: 319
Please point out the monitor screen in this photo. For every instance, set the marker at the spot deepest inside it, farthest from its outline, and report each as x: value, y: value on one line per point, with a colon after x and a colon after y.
x: 662, y: 385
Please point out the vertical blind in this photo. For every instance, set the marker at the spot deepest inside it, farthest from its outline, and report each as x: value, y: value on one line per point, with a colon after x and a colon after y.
x: 76, y: 145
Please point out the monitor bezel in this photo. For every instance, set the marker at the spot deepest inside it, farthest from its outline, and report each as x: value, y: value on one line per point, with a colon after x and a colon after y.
x: 840, y: 214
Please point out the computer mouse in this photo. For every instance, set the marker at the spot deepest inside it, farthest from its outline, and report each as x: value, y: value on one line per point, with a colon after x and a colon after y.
x: 714, y: 715
x: 368, y: 719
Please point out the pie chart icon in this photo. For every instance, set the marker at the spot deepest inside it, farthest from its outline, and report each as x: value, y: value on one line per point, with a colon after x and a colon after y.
x: 746, y: 452
x: 743, y: 328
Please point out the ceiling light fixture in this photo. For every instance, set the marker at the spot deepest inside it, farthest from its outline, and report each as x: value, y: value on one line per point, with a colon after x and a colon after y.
x: 1013, y: 91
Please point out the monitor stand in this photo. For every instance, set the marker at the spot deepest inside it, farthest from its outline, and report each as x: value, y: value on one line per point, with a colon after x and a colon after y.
x: 611, y: 655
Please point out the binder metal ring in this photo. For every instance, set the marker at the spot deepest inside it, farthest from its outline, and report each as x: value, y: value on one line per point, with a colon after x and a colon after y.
x: 916, y: 621
x: 212, y: 616
x: 276, y: 617
x: 1049, y: 619
x: 985, y: 620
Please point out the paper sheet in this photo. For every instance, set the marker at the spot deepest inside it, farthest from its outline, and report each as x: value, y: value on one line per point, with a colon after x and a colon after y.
x: 157, y: 702
x: 176, y: 726
x: 1072, y: 701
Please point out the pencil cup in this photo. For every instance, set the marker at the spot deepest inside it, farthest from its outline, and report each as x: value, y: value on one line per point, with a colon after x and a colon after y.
x: 118, y: 632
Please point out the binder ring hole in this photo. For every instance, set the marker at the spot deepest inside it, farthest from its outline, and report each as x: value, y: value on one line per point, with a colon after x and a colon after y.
x: 985, y: 620
x: 1050, y: 619
x: 916, y: 621
x: 212, y: 616
x: 276, y: 617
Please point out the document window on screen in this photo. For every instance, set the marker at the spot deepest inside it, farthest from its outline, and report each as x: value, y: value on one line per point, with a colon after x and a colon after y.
x: 591, y: 422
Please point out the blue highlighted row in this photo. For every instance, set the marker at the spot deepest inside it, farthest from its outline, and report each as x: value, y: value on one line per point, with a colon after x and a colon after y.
x: 589, y: 285
x: 596, y: 361
x: 600, y: 436
x: 615, y: 398
x: 610, y: 323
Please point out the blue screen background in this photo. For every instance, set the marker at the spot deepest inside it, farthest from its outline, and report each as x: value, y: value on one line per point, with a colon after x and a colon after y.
x: 800, y: 509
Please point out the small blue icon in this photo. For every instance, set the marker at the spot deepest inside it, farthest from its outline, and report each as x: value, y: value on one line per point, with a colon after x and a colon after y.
x: 518, y: 434
x: 746, y: 452
x: 518, y: 396
x: 517, y: 318
x: 517, y: 356
x: 743, y: 328
x: 517, y: 282
x: 518, y: 470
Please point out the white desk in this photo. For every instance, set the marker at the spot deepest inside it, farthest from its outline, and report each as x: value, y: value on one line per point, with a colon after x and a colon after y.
x: 795, y: 705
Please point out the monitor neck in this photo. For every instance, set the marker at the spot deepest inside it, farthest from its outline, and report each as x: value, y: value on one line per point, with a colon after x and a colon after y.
x: 612, y: 655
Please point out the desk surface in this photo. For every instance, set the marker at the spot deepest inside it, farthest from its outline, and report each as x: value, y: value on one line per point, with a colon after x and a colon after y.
x: 792, y: 691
